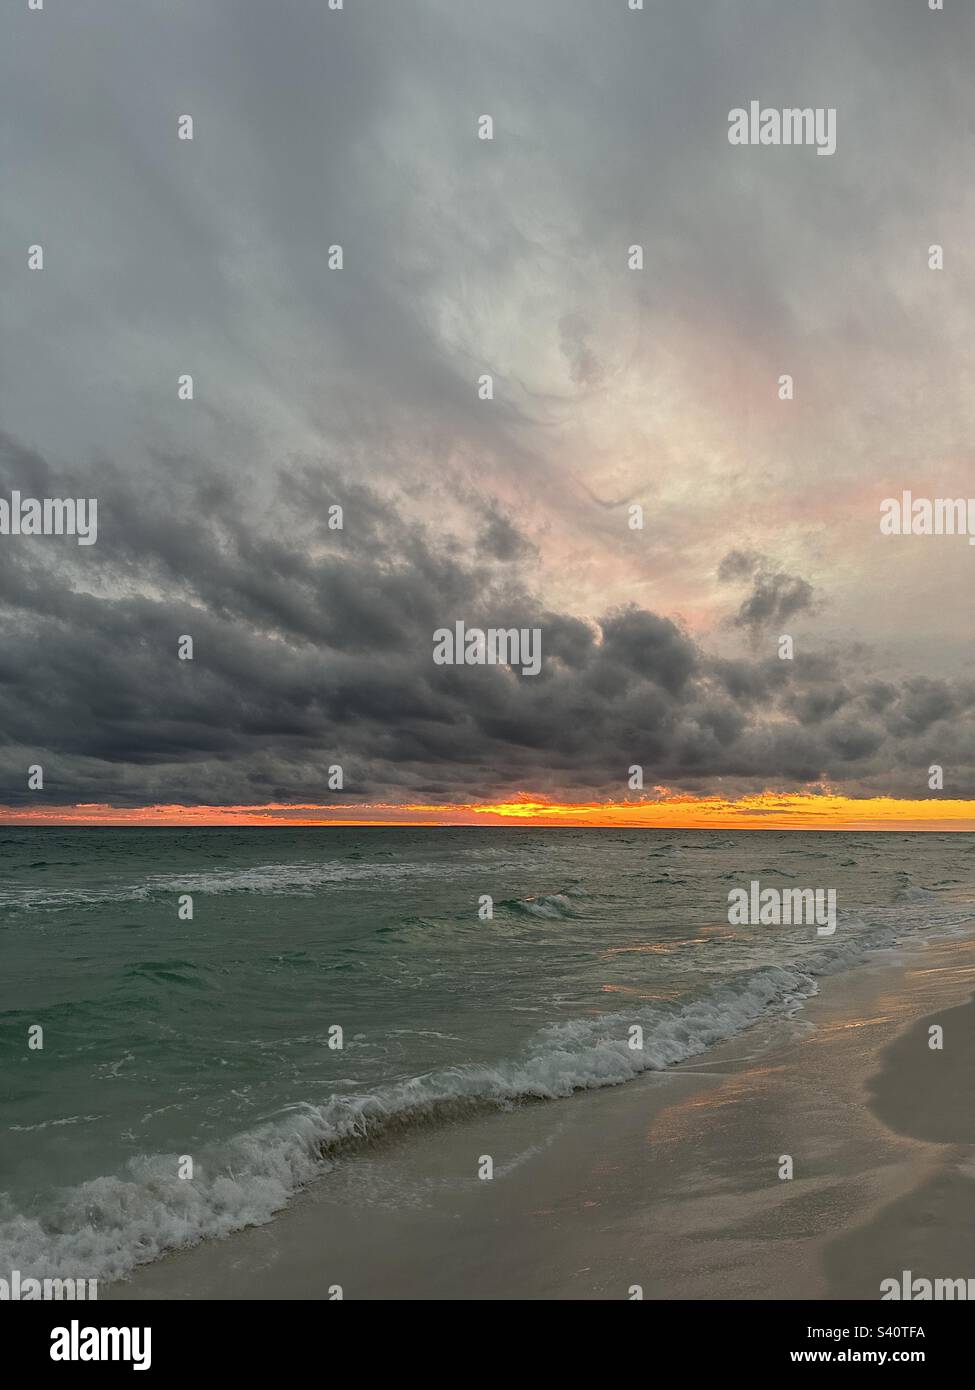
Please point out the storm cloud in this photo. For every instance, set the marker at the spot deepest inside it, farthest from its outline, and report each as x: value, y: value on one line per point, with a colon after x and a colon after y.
x: 359, y: 388
x: 314, y: 646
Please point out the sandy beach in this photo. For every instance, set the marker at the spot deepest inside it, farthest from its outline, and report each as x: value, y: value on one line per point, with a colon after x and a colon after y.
x: 669, y: 1183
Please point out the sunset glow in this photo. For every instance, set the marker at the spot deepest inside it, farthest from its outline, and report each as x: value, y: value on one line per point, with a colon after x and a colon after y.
x: 764, y: 811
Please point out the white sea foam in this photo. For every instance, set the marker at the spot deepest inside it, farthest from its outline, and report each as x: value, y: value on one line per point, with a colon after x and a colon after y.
x: 298, y: 879
x: 550, y: 905
x: 43, y: 899
x: 111, y: 1224
x: 280, y: 880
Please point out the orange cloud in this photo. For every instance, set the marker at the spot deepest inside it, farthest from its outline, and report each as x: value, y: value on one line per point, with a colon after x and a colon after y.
x: 762, y: 811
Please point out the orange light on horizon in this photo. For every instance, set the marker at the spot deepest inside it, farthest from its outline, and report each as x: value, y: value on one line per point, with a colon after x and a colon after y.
x: 765, y: 810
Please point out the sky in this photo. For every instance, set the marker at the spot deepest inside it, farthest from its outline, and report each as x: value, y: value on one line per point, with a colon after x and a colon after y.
x: 358, y: 387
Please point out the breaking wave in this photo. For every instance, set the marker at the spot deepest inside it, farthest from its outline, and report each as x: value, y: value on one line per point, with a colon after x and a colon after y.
x: 110, y: 1225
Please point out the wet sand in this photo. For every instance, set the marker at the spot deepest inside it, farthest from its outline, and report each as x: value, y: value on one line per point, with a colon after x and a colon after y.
x: 669, y: 1183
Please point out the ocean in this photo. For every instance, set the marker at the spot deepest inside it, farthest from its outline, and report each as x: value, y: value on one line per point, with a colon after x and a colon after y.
x: 216, y: 1038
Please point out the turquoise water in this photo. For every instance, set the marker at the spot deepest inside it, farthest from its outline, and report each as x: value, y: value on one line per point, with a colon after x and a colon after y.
x: 209, y: 1037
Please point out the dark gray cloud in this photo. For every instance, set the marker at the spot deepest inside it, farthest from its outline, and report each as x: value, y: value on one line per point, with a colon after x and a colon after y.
x: 315, y: 646
x: 775, y: 596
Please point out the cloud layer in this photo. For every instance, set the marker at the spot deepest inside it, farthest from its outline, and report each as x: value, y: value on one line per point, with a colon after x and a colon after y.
x: 358, y: 387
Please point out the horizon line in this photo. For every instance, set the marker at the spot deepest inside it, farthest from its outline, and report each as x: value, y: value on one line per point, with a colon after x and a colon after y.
x: 767, y: 810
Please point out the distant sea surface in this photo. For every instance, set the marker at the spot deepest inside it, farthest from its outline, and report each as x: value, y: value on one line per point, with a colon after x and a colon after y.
x: 209, y: 1038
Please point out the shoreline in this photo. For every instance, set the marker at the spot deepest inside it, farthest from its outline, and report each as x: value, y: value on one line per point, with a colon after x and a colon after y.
x: 669, y: 1182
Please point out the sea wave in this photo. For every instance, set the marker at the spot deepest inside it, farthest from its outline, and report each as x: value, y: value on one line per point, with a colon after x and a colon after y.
x: 112, y: 1224
x: 553, y: 906
x: 19, y: 898
x: 280, y: 880
x: 913, y: 894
